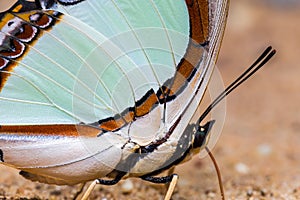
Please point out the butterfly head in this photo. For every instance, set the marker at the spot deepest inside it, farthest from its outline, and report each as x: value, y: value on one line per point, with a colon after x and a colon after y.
x: 201, y: 134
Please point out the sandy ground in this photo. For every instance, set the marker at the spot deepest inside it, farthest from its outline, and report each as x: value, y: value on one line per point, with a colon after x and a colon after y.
x: 258, y: 151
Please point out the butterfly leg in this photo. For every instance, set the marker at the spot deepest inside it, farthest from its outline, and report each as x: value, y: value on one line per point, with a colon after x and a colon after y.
x: 170, y: 172
x: 172, y: 179
x: 89, y: 190
x: 171, y: 187
x: 76, y: 195
x: 102, y: 182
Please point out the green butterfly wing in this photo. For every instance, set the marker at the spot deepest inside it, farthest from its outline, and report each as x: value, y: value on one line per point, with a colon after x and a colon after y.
x: 94, y: 56
x: 105, y: 61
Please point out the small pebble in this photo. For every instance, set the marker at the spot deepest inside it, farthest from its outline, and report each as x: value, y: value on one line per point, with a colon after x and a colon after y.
x: 127, y: 186
x: 211, y: 195
x: 264, y: 149
x: 263, y: 192
x: 249, y: 192
x: 242, y: 168
x: 55, y: 192
x: 296, y: 190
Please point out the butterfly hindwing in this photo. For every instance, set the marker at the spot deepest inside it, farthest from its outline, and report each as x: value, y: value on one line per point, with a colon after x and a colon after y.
x: 128, y: 75
x: 63, y: 58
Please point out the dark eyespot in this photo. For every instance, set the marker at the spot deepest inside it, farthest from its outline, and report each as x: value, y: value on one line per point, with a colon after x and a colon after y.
x: 10, y: 23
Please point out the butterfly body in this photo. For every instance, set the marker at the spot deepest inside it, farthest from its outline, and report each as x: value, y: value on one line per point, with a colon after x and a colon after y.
x: 90, y: 90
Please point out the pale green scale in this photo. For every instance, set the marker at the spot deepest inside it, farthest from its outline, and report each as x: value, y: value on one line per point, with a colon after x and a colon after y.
x: 89, y: 69
x: 114, y: 18
x: 28, y: 105
x: 123, y: 23
x: 54, y: 74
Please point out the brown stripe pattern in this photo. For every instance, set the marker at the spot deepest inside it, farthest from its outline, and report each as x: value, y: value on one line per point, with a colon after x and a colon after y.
x: 185, y: 71
x: 48, y: 130
x: 17, y: 31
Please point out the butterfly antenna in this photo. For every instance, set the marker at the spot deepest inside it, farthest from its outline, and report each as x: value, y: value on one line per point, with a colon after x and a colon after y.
x: 259, y: 63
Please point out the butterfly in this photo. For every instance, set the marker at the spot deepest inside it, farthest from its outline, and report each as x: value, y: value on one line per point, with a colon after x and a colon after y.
x: 105, y: 89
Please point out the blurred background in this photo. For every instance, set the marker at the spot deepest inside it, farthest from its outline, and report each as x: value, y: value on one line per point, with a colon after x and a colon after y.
x: 259, y: 149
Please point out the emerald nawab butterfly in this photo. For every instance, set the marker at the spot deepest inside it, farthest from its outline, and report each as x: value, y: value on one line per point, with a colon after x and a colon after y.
x: 105, y: 89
